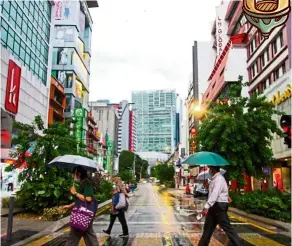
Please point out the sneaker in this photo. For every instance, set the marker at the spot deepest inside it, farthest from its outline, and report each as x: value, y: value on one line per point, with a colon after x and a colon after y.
x: 124, y: 235
x: 106, y: 232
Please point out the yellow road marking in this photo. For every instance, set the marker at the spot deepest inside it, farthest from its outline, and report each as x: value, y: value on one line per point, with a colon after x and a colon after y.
x: 48, y: 238
x: 167, y: 240
x: 252, y: 224
x: 41, y: 241
x: 259, y: 240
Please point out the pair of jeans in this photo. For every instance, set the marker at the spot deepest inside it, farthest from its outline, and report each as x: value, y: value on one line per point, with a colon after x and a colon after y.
x: 122, y: 219
x: 89, y: 237
x: 217, y: 214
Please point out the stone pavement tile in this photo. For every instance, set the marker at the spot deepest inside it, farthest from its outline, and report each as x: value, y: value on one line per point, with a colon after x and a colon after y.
x: 195, y: 238
x: 146, y: 239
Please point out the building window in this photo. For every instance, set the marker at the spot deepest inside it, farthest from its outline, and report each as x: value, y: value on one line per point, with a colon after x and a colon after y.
x: 263, y: 60
x: 267, y: 56
x: 281, y: 39
x: 284, y: 68
x: 252, y: 46
x: 275, y: 48
x: 27, y: 41
x: 252, y: 71
x: 276, y: 74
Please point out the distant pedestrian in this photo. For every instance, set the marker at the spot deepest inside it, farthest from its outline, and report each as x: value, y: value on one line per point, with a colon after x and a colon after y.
x: 10, y: 183
x: 119, y: 206
x: 188, y: 189
x: 84, y: 194
x: 216, y: 208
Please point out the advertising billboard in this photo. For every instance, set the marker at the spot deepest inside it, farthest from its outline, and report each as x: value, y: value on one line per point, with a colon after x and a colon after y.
x: 79, y: 114
x: 12, y: 87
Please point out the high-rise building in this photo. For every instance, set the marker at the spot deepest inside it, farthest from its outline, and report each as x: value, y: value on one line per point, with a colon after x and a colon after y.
x: 107, y: 118
x: 203, y: 62
x: 132, y: 132
x: 179, y: 119
x: 269, y: 71
x: 71, y: 56
x: 124, y: 126
x: 155, y: 120
x: 26, y: 29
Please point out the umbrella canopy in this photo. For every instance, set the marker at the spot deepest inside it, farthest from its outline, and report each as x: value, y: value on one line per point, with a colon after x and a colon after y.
x: 71, y: 161
x: 205, y: 158
x: 206, y: 175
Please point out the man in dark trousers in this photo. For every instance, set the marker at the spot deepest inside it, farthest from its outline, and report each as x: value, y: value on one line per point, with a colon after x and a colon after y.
x: 215, y: 209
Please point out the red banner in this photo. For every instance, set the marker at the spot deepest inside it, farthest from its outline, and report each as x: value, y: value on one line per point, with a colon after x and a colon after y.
x: 12, y: 87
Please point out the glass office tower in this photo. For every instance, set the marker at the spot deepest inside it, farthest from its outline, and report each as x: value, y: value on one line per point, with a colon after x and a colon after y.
x: 155, y: 120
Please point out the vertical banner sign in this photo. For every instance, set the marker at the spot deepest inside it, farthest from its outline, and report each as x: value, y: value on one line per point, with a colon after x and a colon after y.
x: 79, y: 115
x: 12, y: 87
x: 221, y: 28
x: 109, y: 155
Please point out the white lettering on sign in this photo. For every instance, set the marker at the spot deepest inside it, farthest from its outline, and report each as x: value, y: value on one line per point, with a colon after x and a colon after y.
x: 12, y: 94
x: 219, y: 36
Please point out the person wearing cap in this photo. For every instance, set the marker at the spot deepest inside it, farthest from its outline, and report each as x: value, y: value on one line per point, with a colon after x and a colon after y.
x: 216, y: 208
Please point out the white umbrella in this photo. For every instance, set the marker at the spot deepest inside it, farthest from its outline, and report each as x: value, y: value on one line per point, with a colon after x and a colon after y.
x: 71, y: 161
x: 205, y: 174
x: 100, y: 168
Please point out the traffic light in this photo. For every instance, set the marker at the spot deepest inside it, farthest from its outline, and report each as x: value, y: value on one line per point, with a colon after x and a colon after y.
x: 285, y: 123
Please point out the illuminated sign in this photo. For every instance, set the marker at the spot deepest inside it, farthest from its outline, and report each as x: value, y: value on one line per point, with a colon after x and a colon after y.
x: 278, y: 98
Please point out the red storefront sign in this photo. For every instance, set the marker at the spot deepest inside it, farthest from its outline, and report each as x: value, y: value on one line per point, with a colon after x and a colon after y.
x: 12, y: 87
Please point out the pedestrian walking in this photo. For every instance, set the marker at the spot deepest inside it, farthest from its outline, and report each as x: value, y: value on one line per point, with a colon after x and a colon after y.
x: 216, y: 208
x: 118, y: 209
x: 84, y: 194
x: 10, y: 183
x: 188, y: 189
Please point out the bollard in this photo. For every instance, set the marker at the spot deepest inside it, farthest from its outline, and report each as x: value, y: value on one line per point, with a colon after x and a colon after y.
x: 10, y: 218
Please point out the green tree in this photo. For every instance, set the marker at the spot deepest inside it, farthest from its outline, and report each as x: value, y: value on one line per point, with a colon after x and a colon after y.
x: 163, y: 172
x: 44, y: 186
x: 240, y: 130
x: 126, y: 161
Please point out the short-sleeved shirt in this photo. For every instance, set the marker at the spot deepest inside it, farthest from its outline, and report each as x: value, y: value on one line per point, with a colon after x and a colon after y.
x: 86, y: 188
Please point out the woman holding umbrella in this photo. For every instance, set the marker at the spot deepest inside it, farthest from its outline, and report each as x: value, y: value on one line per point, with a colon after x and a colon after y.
x: 83, y: 194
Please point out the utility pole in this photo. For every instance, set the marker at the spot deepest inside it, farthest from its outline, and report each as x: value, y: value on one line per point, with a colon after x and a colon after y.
x: 141, y: 171
x: 134, y: 166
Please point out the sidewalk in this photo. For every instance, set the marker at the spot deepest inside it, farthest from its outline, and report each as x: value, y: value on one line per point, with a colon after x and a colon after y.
x: 22, y: 228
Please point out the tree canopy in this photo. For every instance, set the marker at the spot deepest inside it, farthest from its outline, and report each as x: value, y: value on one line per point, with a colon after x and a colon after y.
x: 126, y: 161
x: 241, y: 130
x: 44, y: 186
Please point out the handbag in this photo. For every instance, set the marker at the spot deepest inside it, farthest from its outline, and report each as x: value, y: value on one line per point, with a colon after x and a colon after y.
x: 81, y: 217
x: 123, y: 203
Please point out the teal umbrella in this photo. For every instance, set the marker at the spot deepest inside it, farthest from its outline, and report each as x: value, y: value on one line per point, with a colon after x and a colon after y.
x: 205, y: 158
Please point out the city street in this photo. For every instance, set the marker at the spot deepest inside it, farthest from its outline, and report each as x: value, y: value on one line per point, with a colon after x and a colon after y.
x: 154, y: 219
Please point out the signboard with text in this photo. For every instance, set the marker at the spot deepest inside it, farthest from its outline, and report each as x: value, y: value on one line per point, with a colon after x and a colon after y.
x: 12, y: 87
x: 221, y: 28
x: 79, y: 115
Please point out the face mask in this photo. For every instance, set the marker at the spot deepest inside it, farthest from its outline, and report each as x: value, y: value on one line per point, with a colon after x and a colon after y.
x: 210, y: 172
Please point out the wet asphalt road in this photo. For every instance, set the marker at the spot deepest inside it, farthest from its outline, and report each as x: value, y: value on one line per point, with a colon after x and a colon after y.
x: 157, y: 219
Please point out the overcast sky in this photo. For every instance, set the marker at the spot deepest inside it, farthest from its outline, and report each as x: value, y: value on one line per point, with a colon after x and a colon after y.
x: 146, y: 44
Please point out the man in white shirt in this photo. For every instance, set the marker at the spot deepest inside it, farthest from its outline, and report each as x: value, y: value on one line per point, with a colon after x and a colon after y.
x: 215, y: 209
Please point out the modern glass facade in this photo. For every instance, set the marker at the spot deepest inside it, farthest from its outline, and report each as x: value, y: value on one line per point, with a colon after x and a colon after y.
x: 25, y: 31
x: 155, y: 120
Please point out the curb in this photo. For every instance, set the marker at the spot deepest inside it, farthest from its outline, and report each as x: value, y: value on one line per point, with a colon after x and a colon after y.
x: 281, y: 225
x: 59, y: 224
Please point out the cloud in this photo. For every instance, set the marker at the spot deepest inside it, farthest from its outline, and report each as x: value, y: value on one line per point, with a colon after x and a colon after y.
x: 145, y: 44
